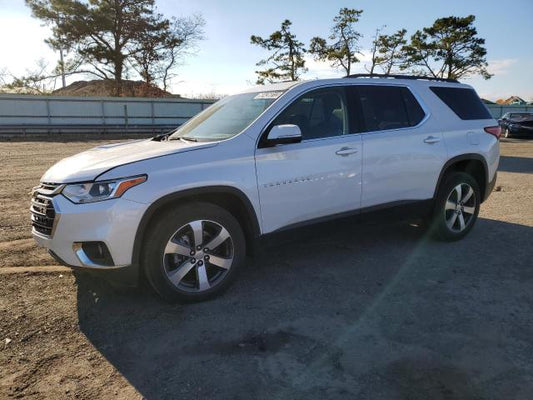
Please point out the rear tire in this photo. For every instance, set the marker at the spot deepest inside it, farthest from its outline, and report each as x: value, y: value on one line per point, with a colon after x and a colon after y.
x: 193, y: 253
x: 456, y: 207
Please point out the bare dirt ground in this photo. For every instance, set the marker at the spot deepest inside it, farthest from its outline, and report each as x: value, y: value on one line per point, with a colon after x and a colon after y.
x: 24, y: 163
x: 337, y: 311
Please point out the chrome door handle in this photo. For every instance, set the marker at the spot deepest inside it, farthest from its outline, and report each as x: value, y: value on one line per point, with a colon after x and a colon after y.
x: 431, y: 139
x: 345, y: 151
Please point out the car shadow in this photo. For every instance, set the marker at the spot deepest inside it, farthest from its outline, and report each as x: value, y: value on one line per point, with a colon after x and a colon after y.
x: 516, y: 164
x: 333, y: 311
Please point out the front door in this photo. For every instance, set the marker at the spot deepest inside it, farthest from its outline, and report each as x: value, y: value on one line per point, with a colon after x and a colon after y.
x: 317, y: 177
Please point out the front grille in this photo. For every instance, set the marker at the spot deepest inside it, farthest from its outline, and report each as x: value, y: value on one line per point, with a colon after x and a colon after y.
x: 45, y: 186
x: 42, y: 208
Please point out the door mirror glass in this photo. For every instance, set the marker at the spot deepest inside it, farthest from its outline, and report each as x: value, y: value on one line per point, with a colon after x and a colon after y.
x: 283, y: 134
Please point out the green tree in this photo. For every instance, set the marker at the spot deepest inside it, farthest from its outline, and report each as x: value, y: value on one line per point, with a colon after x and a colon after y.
x: 286, y: 63
x: 388, y: 51
x: 450, y: 48
x: 341, y: 52
x: 107, y: 35
x: 374, y: 51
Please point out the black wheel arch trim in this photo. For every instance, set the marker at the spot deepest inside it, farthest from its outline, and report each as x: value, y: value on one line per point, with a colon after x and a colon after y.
x: 182, y: 195
x: 465, y: 157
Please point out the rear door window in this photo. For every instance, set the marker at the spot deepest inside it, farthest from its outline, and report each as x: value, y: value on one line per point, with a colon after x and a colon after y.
x: 388, y: 107
x: 463, y: 101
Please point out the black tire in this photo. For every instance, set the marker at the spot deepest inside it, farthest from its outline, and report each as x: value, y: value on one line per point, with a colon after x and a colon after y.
x: 443, y: 216
x: 168, y: 225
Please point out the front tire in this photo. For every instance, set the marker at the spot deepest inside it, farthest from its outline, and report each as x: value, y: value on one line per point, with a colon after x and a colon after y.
x: 456, y: 207
x: 193, y: 253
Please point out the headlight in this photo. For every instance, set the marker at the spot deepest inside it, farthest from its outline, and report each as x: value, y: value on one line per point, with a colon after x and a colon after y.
x: 89, y: 192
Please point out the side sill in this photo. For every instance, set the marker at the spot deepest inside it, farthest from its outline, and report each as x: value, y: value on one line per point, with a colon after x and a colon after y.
x: 395, y: 211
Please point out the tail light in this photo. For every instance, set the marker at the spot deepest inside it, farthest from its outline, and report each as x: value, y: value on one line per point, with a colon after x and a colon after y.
x: 495, y: 131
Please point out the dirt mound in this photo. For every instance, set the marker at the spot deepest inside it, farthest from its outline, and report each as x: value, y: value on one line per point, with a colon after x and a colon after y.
x: 107, y: 88
x: 512, y: 100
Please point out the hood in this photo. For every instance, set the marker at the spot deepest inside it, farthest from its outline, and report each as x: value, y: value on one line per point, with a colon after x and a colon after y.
x: 88, y: 165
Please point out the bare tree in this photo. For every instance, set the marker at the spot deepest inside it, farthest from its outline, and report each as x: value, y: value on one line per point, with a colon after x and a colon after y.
x: 35, y: 81
x: 158, y: 59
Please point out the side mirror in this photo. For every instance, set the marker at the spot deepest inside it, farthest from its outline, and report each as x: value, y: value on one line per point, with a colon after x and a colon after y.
x: 283, y: 134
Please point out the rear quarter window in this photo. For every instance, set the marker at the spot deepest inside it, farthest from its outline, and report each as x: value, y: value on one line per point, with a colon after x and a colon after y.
x: 465, y: 103
x: 414, y: 111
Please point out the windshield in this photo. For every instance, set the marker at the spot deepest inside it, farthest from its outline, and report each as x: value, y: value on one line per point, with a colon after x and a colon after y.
x: 226, y: 118
x: 521, y: 115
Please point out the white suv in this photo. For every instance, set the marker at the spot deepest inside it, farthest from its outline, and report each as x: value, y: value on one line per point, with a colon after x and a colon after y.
x: 187, y: 206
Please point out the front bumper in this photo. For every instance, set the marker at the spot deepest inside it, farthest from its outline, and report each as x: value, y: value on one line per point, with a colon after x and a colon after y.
x: 113, y: 222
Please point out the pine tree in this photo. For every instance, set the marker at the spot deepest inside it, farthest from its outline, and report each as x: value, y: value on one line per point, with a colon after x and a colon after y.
x: 109, y: 36
x: 450, y: 48
x: 341, y: 53
x: 286, y: 62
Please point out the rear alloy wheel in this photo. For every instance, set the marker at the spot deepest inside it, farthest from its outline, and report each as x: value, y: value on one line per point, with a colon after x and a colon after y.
x: 193, y: 252
x: 457, y: 206
x: 460, y: 207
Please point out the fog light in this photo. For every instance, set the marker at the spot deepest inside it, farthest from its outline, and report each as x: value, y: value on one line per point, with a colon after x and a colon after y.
x: 93, y: 254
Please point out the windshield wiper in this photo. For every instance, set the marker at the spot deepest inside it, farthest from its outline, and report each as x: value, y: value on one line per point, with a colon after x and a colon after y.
x: 162, y: 137
x: 188, y: 139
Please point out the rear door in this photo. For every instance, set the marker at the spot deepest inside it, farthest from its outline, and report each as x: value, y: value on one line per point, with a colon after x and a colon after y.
x: 402, y: 158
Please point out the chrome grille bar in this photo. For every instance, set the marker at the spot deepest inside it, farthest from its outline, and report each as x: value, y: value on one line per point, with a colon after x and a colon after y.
x: 42, y: 208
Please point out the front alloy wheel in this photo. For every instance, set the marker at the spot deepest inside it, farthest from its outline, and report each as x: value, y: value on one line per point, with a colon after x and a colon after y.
x: 198, y: 256
x: 192, y: 252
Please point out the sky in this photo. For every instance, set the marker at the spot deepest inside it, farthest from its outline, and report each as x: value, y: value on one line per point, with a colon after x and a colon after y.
x: 225, y: 60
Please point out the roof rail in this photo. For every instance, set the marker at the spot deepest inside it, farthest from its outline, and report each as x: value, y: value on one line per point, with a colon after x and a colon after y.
x: 399, y: 76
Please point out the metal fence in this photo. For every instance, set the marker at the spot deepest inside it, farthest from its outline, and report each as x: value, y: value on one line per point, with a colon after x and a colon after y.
x: 497, y: 110
x: 21, y: 114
